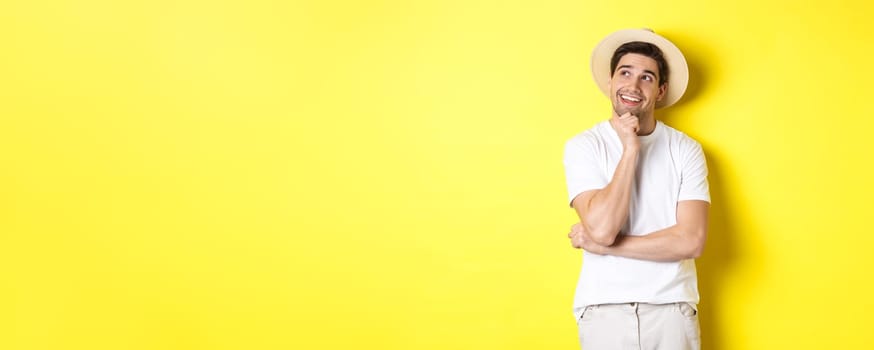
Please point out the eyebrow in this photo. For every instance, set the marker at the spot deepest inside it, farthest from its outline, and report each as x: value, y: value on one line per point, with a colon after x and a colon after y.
x: 645, y: 70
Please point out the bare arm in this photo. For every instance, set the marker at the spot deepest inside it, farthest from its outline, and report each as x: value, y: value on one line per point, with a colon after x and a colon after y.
x: 604, y: 211
x: 685, y: 240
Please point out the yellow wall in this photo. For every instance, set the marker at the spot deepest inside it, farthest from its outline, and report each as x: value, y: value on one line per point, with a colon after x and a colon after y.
x: 387, y: 174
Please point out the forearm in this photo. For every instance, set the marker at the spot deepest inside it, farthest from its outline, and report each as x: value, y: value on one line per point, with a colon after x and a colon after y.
x: 685, y: 240
x: 670, y: 244
x: 607, y: 210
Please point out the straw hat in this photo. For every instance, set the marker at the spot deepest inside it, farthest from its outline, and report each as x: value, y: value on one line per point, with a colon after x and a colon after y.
x: 678, y: 78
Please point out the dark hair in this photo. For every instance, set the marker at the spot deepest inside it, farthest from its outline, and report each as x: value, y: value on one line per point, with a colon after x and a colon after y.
x: 642, y: 48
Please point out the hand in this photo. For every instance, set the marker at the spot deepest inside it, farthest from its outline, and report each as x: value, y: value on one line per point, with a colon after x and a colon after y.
x: 626, y: 126
x: 580, y: 240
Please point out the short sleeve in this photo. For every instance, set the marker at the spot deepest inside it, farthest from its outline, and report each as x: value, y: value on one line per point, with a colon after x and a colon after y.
x: 693, y: 183
x: 582, y: 169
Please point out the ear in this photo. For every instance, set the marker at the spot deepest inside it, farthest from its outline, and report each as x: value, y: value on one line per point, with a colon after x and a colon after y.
x: 663, y: 91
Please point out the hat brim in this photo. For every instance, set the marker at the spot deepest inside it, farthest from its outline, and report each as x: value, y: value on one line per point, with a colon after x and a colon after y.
x: 678, y: 78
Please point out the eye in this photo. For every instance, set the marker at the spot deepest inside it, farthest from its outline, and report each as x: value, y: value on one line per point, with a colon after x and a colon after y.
x: 648, y: 78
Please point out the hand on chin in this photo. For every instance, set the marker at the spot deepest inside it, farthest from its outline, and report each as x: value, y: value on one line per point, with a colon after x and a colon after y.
x: 634, y: 111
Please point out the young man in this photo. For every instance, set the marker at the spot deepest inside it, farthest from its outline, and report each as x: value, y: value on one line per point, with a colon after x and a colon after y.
x: 640, y: 189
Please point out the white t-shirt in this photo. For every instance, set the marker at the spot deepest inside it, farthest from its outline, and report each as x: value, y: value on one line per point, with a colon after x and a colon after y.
x: 670, y: 168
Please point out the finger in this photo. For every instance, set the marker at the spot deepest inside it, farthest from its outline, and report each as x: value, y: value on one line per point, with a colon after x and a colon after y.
x: 575, y: 243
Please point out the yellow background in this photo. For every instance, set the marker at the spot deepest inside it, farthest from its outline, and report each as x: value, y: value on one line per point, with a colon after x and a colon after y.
x: 387, y: 174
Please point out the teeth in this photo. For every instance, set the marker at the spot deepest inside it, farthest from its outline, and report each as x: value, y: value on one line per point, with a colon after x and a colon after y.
x: 629, y: 98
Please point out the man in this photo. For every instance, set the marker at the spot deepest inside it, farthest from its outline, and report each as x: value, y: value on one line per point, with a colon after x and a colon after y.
x: 640, y: 189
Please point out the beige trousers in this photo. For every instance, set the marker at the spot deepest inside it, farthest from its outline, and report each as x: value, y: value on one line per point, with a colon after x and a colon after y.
x: 640, y: 326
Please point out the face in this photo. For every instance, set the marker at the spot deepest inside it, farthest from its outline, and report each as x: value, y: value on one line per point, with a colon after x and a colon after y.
x: 634, y: 86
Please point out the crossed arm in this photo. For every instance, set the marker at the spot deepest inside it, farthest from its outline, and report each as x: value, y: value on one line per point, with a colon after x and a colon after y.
x: 685, y: 240
x: 603, y: 212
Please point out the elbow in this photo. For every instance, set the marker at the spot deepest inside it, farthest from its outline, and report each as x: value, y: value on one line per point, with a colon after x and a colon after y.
x: 695, y: 246
x: 695, y: 253
x: 603, y: 237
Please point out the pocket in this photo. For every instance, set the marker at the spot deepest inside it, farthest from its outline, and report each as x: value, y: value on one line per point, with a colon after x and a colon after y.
x: 687, y: 310
x: 586, y: 315
x: 693, y: 330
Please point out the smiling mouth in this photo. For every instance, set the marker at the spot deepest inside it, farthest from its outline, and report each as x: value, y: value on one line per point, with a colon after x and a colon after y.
x: 631, y: 99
